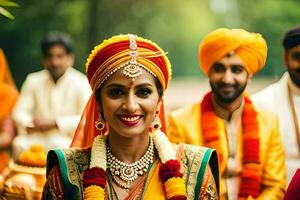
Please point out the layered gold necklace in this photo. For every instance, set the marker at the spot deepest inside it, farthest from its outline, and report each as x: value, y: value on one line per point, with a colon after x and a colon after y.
x: 123, y: 174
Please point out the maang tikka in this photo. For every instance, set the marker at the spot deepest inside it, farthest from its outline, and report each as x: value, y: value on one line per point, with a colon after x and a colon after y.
x: 132, y: 69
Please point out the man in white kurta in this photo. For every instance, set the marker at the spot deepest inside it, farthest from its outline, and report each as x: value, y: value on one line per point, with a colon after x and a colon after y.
x: 51, y: 100
x: 283, y: 98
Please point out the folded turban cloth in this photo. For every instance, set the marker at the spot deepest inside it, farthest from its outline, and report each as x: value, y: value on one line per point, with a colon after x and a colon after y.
x: 291, y: 38
x: 250, y: 47
x: 109, y: 56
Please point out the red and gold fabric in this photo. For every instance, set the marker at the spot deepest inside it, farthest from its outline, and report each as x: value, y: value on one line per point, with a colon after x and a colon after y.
x: 293, y: 190
x: 66, y: 169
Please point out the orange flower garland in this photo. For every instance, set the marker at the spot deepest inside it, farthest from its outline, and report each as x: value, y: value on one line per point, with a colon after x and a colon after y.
x: 251, y: 170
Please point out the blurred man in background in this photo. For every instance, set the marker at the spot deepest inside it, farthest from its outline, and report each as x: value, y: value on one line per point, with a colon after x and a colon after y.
x: 283, y: 98
x: 51, y: 100
x: 246, y: 138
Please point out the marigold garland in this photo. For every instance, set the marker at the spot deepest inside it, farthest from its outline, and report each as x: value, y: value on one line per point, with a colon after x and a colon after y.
x: 94, y: 192
x: 174, y: 187
x: 178, y: 198
x: 94, y: 179
x: 251, y: 169
x: 170, y: 169
x: 94, y: 176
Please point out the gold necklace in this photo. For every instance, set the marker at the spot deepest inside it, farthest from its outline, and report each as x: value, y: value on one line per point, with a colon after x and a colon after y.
x: 129, y: 172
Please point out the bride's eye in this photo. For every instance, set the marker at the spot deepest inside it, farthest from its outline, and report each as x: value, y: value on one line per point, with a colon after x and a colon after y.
x: 116, y: 92
x: 143, y: 92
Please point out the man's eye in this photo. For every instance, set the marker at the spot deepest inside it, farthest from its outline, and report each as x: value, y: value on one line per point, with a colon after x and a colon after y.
x: 143, y: 92
x: 116, y: 92
x: 217, y: 67
x: 237, y: 69
x: 296, y: 56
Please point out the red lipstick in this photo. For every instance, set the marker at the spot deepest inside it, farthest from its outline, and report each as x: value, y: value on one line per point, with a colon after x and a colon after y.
x: 130, y: 120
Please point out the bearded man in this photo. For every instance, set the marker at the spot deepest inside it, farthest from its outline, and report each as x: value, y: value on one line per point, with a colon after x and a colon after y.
x: 283, y: 98
x: 247, y: 140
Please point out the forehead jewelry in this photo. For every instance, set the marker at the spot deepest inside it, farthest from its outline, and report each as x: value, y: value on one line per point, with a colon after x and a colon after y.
x: 132, y: 69
x: 230, y: 53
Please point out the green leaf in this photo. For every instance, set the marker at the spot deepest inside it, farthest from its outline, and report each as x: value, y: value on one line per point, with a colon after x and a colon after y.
x: 6, y: 3
x: 6, y: 13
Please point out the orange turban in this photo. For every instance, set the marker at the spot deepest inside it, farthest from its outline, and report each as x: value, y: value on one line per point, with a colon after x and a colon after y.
x: 250, y: 47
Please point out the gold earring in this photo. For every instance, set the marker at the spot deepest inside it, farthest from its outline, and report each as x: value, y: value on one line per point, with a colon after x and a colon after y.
x: 100, y: 124
x: 156, y: 124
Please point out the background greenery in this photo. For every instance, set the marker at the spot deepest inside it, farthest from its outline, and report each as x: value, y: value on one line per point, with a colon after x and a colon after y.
x: 176, y: 25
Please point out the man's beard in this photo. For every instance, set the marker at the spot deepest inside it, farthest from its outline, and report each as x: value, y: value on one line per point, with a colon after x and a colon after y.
x: 227, y: 99
x: 295, y: 74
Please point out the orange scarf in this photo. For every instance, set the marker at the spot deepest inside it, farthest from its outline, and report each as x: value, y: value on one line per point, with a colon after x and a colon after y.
x: 8, y: 89
x: 251, y: 169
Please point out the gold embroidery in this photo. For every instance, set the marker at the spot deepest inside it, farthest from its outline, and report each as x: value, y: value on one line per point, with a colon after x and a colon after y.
x: 77, y: 161
x: 191, y: 160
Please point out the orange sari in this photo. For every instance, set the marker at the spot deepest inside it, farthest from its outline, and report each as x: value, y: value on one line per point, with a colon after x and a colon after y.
x: 8, y: 89
x: 8, y: 98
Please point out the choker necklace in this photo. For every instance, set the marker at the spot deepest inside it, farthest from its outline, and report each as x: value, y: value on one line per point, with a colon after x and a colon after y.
x: 129, y: 172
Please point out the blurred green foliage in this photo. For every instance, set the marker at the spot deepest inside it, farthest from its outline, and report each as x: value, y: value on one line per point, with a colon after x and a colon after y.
x: 177, y: 26
x: 3, y: 8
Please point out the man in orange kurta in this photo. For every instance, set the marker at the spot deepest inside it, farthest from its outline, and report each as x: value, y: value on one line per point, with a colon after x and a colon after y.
x: 246, y: 138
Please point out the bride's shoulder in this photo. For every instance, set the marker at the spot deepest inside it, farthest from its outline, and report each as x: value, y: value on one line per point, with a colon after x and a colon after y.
x: 71, y: 156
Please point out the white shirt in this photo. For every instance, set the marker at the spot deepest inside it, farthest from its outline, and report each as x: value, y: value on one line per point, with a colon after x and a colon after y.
x: 234, y: 165
x: 275, y: 98
x: 63, y: 101
x: 296, y: 98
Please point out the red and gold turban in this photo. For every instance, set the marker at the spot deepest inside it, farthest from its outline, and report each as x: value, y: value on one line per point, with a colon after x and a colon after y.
x: 250, y: 47
x: 107, y: 58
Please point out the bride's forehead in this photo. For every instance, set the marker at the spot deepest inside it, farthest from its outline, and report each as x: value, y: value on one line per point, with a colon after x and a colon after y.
x: 121, y: 79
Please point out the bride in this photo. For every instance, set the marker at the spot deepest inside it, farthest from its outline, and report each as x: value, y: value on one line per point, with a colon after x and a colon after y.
x: 119, y: 150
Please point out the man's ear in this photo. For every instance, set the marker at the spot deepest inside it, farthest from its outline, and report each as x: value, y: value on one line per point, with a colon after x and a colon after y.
x: 72, y: 59
x: 250, y: 76
x: 285, y: 58
x: 43, y: 61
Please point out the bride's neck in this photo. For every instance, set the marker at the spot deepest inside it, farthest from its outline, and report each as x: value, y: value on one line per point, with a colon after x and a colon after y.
x: 126, y: 149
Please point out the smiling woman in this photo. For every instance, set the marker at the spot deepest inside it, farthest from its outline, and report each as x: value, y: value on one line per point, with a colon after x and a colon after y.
x: 119, y: 150
x: 129, y: 106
